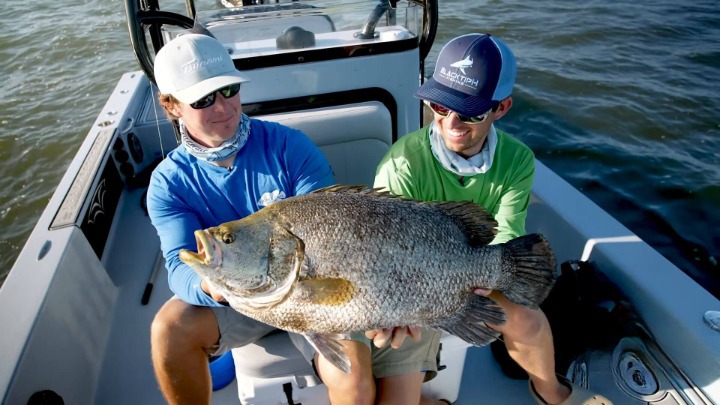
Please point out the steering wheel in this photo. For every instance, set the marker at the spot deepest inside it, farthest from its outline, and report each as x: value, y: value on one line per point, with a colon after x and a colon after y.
x: 149, y: 22
x: 430, y: 23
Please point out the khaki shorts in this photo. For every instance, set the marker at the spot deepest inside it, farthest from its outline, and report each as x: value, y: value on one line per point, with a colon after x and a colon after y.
x: 237, y: 330
x: 411, y: 357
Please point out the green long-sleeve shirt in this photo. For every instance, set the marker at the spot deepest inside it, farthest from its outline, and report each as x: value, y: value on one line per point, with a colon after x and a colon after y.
x: 410, y: 169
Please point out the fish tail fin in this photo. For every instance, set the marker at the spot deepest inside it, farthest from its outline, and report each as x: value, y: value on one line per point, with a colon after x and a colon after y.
x: 471, y: 326
x: 534, y: 269
x: 330, y: 347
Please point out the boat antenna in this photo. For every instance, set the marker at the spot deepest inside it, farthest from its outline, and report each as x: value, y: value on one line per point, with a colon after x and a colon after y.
x: 153, y: 91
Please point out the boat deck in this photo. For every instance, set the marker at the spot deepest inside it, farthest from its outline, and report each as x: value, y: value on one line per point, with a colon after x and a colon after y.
x: 126, y: 372
x: 126, y: 375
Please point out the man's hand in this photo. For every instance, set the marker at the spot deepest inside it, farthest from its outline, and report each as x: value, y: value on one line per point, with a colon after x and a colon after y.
x: 395, y: 335
x: 209, y: 290
x: 482, y: 291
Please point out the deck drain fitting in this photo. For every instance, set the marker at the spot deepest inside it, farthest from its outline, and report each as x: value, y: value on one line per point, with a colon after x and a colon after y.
x: 636, y: 375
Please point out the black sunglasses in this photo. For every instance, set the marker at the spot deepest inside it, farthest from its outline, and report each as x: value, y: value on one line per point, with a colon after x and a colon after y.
x: 207, y: 101
x: 444, y: 111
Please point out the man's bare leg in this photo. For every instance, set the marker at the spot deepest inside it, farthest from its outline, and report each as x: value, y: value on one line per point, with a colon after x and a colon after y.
x: 181, y: 336
x: 528, y: 339
x: 400, y: 389
x: 356, y: 387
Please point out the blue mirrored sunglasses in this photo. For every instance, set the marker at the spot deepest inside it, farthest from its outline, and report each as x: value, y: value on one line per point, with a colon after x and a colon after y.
x: 444, y: 111
x: 207, y: 101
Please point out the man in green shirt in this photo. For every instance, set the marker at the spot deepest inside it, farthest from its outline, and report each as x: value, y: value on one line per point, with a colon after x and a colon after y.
x: 462, y: 156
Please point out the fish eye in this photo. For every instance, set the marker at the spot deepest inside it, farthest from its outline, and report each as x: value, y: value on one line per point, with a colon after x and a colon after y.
x: 228, y: 238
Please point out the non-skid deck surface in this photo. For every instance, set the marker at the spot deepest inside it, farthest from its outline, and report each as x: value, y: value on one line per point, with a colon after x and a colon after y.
x: 127, y: 376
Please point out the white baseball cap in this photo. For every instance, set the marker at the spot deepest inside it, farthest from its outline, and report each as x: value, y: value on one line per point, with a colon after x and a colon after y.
x: 192, y: 66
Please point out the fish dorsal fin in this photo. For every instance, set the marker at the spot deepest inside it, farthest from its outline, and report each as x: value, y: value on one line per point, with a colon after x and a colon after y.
x: 326, y: 291
x: 475, y: 221
x: 354, y: 189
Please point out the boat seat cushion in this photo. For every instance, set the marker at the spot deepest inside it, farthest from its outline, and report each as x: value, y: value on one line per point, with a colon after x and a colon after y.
x: 353, y: 137
x: 272, y: 356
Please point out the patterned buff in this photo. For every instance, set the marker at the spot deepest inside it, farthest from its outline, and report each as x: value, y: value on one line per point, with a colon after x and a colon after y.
x: 480, y: 163
x: 222, y: 152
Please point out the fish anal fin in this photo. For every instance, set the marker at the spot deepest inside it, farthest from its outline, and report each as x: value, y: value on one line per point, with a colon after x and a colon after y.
x: 330, y: 347
x: 471, y: 325
x: 326, y: 291
x: 476, y: 222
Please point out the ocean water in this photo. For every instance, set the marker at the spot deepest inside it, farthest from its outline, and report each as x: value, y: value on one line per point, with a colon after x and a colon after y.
x: 621, y: 99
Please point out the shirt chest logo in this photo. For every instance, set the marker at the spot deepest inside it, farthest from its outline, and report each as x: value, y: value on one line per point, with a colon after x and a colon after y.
x: 271, y: 197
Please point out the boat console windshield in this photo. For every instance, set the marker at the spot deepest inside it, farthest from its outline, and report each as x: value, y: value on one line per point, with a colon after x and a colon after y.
x: 287, y: 32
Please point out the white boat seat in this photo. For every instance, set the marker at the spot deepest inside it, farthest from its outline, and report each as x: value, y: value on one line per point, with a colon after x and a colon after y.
x: 353, y: 137
x: 263, y: 369
x: 272, y: 356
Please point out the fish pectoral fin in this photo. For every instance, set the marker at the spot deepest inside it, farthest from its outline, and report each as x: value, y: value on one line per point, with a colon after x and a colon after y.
x: 326, y: 291
x: 330, y: 347
x: 471, y: 326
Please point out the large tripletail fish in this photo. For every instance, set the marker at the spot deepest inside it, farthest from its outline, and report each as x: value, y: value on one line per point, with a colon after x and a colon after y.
x: 347, y: 258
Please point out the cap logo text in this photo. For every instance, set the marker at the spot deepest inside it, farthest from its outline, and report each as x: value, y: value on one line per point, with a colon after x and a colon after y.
x: 455, y: 77
x: 195, y: 64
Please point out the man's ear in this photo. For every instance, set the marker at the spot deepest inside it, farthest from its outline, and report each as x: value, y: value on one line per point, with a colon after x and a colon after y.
x: 503, y: 107
x: 174, y: 109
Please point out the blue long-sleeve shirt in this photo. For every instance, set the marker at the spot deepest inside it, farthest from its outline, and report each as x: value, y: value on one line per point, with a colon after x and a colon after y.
x: 187, y: 194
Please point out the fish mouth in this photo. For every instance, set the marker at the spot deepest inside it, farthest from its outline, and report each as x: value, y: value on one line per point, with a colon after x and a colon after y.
x: 208, y: 253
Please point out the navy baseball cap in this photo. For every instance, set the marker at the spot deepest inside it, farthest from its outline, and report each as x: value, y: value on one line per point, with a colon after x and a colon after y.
x: 473, y: 72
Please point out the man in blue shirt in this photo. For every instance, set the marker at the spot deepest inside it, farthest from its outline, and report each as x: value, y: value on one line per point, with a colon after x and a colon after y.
x: 227, y: 167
